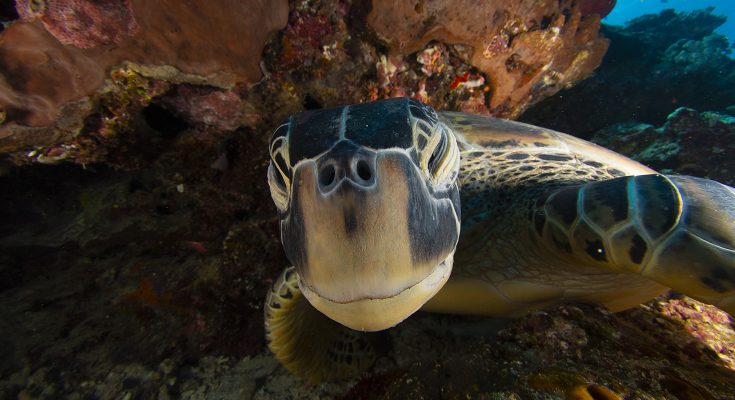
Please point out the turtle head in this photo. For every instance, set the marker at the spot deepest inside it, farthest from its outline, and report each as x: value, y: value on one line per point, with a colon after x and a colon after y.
x: 369, y: 207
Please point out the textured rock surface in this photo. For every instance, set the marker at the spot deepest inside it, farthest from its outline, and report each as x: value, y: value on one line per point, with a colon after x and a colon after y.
x: 223, y: 109
x: 693, y: 143
x: 527, y: 49
x: 655, y: 64
x: 188, y: 61
x: 215, y: 42
x: 83, y: 24
x: 663, y: 29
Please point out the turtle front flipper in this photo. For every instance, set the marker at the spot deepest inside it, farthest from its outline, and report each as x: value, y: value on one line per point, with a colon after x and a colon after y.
x: 308, y: 343
x: 676, y: 230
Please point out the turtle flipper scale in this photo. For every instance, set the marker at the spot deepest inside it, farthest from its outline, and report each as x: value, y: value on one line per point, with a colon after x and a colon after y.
x: 676, y: 230
x: 308, y: 343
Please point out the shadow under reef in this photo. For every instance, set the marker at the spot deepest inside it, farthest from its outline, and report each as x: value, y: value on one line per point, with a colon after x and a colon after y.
x: 114, y: 284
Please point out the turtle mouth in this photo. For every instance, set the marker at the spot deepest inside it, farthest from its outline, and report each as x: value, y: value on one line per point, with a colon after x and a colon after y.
x: 378, y: 313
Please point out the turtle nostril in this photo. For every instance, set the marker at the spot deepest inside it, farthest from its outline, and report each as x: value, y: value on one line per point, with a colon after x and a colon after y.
x: 326, y: 175
x: 363, y: 170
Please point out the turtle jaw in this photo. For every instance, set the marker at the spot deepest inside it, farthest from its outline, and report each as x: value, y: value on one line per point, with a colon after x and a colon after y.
x: 375, y: 314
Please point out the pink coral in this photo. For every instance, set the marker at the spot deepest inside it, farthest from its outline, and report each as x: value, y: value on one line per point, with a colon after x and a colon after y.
x: 431, y: 59
x: 388, y: 68
x: 84, y: 24
x: 223, y: 109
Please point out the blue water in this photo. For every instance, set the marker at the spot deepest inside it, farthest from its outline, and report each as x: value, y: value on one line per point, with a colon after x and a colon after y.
x: 625, y: 10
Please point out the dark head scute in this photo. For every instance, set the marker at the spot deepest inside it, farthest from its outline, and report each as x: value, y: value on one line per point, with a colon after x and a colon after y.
x: 313, y: 132
x: 658, y: 204
x: 421, y: 111
x: 590, y: 241
x: 638, y: 249
x: 559, y: 238
x: 517, y: 156
x: 562, y: 204
x: 377, y: 125
x: 606, y: 204
x: 380, y: 125
x: 554, y: 157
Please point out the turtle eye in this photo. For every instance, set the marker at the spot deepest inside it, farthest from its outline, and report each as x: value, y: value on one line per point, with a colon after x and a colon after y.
x: 279, y: 174
x: 437, y: 155
x: 283, y: 173
x: 443, y: 162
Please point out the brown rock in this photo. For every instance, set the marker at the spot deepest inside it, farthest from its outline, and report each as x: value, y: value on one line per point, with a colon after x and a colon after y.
x: 217, y: 43
x: 528, y: 49
x: 599, y: 7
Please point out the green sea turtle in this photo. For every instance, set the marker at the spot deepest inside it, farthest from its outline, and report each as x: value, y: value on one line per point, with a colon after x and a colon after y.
x: 368, y: 198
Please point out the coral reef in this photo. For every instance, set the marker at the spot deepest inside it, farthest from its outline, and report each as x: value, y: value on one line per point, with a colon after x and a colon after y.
x: 216, y: 43
x: 702, y: 57
x: 327, y: 55
x: 527, y: 50
x: 655, y: 64
x: 692, y: 143
x: 663, y: 29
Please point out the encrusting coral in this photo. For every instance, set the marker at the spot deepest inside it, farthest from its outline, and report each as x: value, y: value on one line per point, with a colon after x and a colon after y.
x: 527, y: 50
x: 215, y: 43
x: 55, y: 58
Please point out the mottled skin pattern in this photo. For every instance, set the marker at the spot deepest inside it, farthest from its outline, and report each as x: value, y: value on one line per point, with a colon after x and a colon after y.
x: 538, y: 229
x: 546, y: 218
x: 501, y: 182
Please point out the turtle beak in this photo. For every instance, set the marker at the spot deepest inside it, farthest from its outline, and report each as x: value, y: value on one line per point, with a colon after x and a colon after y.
x: 370, y: 240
